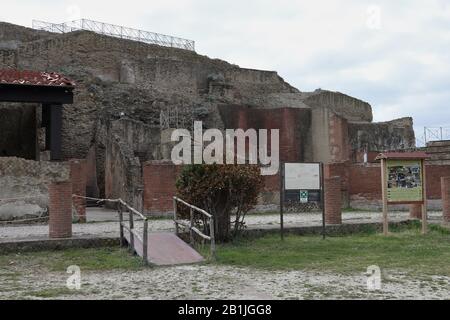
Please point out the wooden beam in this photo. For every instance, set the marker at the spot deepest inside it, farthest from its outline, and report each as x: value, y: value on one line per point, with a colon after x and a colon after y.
x: 36, y: 94
x: 54, y: 133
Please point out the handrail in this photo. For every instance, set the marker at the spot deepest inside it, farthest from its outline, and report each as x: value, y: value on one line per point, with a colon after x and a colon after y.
x: 193, y: 207
x: 190, y: 224
x: 130, y: 228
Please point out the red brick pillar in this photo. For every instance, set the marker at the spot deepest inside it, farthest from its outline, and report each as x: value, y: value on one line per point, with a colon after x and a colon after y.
x: 445, y: 189
x: 60, y: 209
x: 333, y: 201
x: 78, y: 179
x: 415, y: 211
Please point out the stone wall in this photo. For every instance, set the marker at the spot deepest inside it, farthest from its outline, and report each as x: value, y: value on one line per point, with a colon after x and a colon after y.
x: 122, y: 173
x: 8, y: 59
x: 24, y: 185
x: 128, y: 143
x: 345, y: 106
x: 392, y: 135
x: 117, y: 78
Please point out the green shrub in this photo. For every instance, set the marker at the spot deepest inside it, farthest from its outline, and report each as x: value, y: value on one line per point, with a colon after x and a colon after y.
x: 228, y: 192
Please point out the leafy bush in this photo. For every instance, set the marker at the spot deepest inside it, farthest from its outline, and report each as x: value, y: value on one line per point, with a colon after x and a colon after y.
x: 228, y: 192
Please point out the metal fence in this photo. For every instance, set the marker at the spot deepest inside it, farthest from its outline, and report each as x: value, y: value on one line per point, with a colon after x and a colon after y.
x: 117, y: 32
x: 436, y: 134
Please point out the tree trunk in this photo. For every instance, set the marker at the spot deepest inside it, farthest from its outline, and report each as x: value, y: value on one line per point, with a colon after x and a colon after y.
x: 222, y: 226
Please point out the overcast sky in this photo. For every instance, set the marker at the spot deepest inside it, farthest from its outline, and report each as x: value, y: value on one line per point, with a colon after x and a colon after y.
x: 393, y: 54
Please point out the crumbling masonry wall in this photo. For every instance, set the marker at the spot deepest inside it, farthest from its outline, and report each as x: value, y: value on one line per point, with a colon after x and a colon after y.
x: 24, y: 185
x: 120, y: 79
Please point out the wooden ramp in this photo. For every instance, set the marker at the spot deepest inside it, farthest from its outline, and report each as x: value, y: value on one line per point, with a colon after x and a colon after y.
x: 166, y: 249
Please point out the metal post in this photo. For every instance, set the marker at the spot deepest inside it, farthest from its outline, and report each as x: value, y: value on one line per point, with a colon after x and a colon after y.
x: 145, y: 242
x: 442, y: 137
x: 282, y: 200
x: 384, y: 194
x: 322, y: 199
x: 175, y: 215
x: 191, y: 232
x: 130, y: 215
x: 425, y: 135
x: 119, y: 209
x: 213, y: 239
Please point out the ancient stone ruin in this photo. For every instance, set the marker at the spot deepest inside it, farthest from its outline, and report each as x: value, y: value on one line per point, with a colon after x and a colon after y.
x: 130, y: 95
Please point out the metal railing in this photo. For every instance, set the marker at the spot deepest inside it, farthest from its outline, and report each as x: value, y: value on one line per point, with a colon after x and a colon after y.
x: 436, y: 134
x: 116, y: 31
x: 191, y: 224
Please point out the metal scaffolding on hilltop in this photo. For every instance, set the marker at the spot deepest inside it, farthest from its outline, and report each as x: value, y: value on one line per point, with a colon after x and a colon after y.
x: 117, y: 32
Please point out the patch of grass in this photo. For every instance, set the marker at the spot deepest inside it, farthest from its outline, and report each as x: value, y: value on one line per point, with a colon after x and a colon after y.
x: 86, y: 259
x: 405, y: 248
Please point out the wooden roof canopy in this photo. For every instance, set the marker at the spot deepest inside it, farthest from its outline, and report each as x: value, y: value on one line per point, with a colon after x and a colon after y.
x: 403, y: 155
x: 35, y: 87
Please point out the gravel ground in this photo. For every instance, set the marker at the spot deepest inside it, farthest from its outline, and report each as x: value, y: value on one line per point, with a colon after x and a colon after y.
x: 111, y: 229
x: 217, y: 282
x: 207, y: 281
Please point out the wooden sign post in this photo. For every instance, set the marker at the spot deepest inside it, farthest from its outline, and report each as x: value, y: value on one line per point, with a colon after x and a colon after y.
x: 403, y: 181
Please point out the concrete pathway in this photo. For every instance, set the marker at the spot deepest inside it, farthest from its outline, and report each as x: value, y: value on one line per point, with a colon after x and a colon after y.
x: 107, y: 225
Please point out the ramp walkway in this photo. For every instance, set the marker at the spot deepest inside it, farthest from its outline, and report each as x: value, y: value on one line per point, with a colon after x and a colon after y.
x: 165, y: 248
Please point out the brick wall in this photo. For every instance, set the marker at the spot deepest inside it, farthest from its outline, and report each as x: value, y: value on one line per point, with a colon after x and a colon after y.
x: 294, y: 125
x: 360, y: 184
x: 159, y: 186
x: 445, y: 185
x: 338, y: 137
x: 366, y: 180
x: 434, y: 174
x: 60, y: 209
x: 333, y: 200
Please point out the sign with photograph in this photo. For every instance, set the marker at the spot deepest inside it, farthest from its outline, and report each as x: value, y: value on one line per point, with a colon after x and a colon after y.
x: 404, y: 181
x: 302, y: 176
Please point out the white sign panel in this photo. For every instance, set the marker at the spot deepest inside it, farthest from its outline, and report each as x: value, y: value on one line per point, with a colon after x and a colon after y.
x: 302, y: 176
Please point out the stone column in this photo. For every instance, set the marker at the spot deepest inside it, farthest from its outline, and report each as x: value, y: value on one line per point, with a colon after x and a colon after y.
x: 445, y: 189
x: 60, y: 209
x: 333, y: 201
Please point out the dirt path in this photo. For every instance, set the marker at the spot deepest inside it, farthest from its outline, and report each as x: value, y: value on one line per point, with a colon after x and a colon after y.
x: 216, y: 282
x: 111, y: 228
